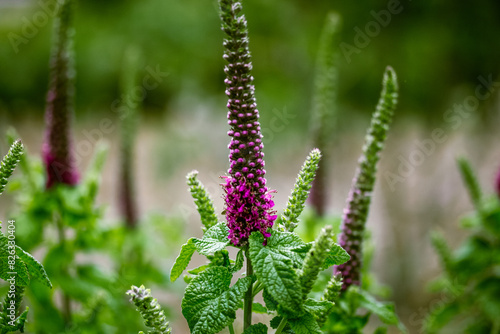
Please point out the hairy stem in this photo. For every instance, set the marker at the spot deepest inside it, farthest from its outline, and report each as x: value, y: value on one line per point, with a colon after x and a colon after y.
x: 248, y: 301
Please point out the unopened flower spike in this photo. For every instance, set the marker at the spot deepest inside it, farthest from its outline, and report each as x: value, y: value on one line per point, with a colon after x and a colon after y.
x: 314, y: 260
x: 150, y: 310
x: 9, y: 162
x: 331, y: 294
x: 297, y: 200
x: 202, y: 199
x: 324, y: 106
x: 57, y: 148
x: 248, y: 202
x: 358, y: 203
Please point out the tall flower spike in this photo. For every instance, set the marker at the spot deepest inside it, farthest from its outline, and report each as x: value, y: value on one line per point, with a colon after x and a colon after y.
x: 358, y: 203
x: 9, y: 162
x: 324, y: 107
x: 129, y: 119
x: 56, y: 150
x: 249, y: 204
x: 150, y: 310
x: 296, y: 201
x: 203, y: 202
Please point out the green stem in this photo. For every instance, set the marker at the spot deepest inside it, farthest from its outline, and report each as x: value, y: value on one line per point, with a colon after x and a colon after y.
x: 231, y: 329
x: 281, y: 325
x: 66, y: 300
x: 248, y: 301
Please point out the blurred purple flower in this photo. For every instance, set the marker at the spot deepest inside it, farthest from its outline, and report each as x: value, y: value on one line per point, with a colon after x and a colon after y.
x: 57, y: 149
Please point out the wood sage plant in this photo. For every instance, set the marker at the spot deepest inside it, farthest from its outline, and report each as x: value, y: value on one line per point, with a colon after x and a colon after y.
x: 278, y: 263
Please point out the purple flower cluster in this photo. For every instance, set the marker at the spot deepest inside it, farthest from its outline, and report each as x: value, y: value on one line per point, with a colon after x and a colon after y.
x: 248, y: 201
x: 247, y: 210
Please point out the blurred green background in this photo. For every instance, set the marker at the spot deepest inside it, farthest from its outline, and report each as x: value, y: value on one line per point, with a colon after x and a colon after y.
x: 438, y: 48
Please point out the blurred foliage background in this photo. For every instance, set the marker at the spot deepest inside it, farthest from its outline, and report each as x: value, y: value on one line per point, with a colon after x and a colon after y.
x: 438, y: 48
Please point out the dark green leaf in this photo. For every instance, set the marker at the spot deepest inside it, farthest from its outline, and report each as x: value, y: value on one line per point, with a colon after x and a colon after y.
x: 182, y: 260
x: 305, y: 324
x: 276, y: 272
x: 209, y: 304
x: 256, y: 329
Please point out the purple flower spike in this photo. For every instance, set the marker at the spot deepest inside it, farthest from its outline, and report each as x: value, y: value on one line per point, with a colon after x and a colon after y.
x: 249, y: 204
x: 57, y: 148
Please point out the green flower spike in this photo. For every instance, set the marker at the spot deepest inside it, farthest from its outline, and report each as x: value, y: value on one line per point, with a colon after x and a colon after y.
x: 9, y: 162
x: 202, y: 199
x: 358, y: 204
x: 296, y: 201
x: 314, y: 260
x: 150, y: 310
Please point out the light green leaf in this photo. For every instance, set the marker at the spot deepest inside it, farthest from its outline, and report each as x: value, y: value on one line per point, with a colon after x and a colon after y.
x: 215, y: 239
x: 385, y: 311
x: 35, y: 268
x: 289, y: 245
x: 336, y: 256
x: 209, y: 304
x: 238, y: 263
x: 275, y: 271
x: 317, y: 308
x: 182, y: 260
x: 259, y: 308
x: 306, y: 324
x: 256, y: 329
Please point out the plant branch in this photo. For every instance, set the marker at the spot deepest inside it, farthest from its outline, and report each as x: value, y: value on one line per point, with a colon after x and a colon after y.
x: 282, y: 325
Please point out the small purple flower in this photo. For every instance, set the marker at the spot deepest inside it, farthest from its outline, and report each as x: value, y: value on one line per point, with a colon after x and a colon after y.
x: 249, y: 204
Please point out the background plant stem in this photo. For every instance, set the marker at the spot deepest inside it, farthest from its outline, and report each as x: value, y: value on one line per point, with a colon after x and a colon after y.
x: 66, y: 300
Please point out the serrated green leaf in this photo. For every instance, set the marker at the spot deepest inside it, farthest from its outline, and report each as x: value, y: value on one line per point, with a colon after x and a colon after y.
x: 18, y: 267
x: 209, y: 304
x: 336, y: 256
x: 35, y: 268
x: 256, y: 329
x: 317, y: 308
x: 199, y: 269
x: 276, y: 272
x: 259, y: 308
x: 182, y: 261
x: 305, y: 324
x: 289, y: 245
x: 215, y: 239
x: 271, y: 304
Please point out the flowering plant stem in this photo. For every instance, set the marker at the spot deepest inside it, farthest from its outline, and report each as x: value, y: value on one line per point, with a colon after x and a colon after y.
x: 248, y: 299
